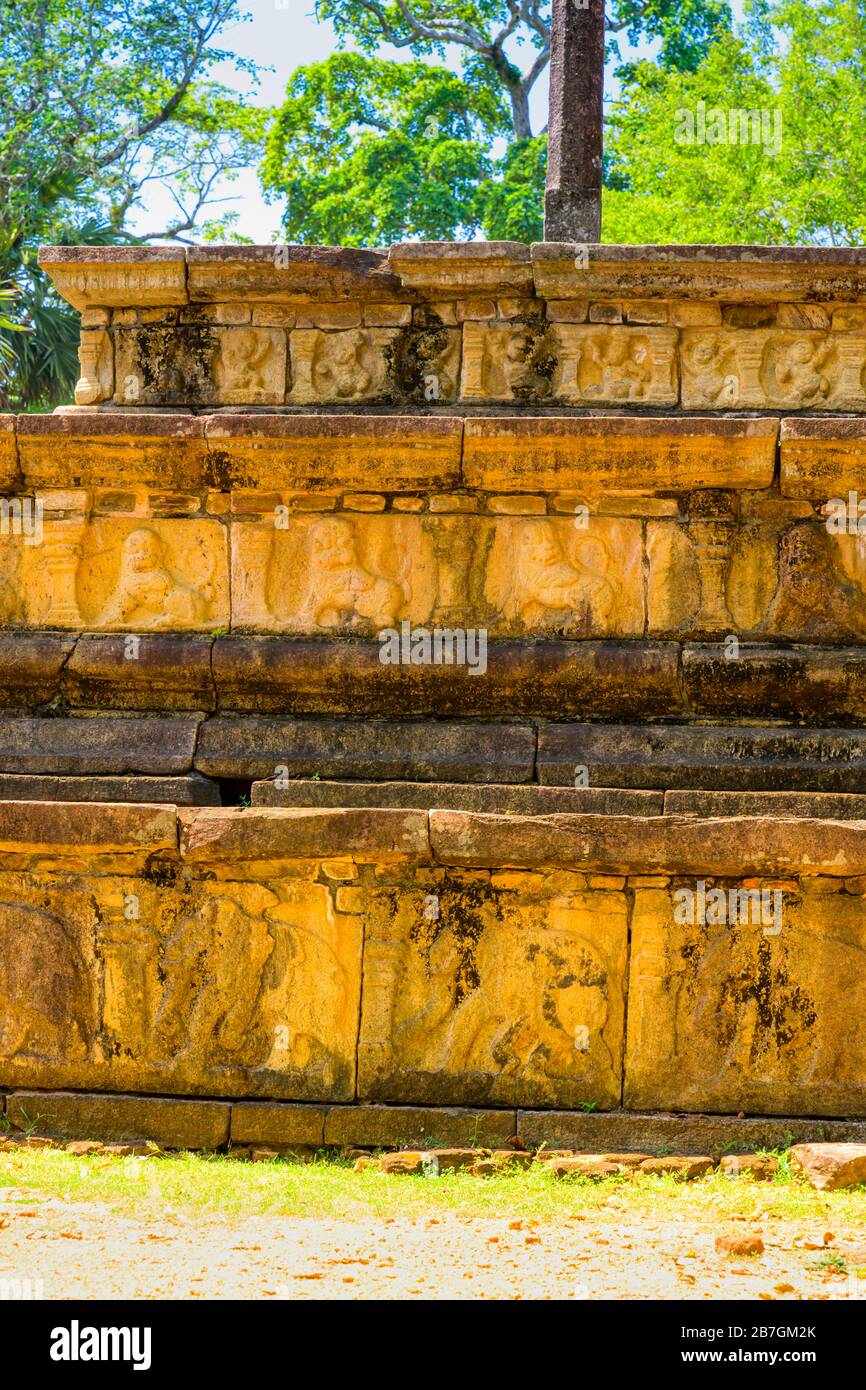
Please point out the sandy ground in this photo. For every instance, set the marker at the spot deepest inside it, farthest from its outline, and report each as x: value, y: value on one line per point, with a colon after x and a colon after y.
x: 89, y: 1250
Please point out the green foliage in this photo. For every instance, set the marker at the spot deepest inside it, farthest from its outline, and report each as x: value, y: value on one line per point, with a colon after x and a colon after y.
x: 809, y: 78
x: 99, y: 101
x: 511, y: 204
x: 369, y: 150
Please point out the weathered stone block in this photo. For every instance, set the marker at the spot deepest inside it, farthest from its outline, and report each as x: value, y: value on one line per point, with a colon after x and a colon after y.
x: 108, y: 276
x: 125, y: 983
x: 808, y: 684
x: 257, y: 1122
x: 172, y: 1124
x: 255, y: 748
x: 340, y: 452
x: 686, y: 1134
x: 502, y: 799
x: 548, y: 679
x: 650, y: 845
x: 159, y: 671
x: 822, y: 459
x: 108, y: 745
x: 793, y: 805
x: 191, y: 790
x: 718, y: 759
x: 288, y: 274
x: 30, y: 667
x: 399, y: 1126
x: 384, y: 836
x: 747, y: 1016
x: 117, y: 450
x: 502, y: 996
x: 614, y: 453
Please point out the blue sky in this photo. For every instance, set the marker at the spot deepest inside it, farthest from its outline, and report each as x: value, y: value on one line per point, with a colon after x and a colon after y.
x: 281, y: 35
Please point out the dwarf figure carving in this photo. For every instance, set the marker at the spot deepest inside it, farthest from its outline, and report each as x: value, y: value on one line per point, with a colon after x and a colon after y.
x: 713, y: 364
x: 798, y: 370
x: 616, y: 368
x: 814, y: 599
x: 540, y: 579
x: 148, y: 594
x: 339, y: 587
x: 342, y: 373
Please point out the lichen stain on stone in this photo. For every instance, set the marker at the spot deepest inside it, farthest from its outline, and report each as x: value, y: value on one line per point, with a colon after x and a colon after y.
x: 464, y: 910
x: 414, y: 357
x: 176, y: 365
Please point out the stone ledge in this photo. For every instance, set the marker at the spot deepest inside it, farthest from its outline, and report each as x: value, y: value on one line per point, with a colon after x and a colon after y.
x: 780, y: 804
x: 116, y: 276
x: 98, y: 746
x: 26, y: 826
x: 335, y: 452
x: 821, y: 459
x: 505, y: 799
x: 113, y: 449
x: 547, y: 679
x: 740, y: 274
x: 288, y: 274
x: 638, y: 454
x: 667, y: 757
x: 477, y: 752
x: 189, y: 790
x: 446, y: 268
x: 169, y: 672
x: 170, y: 1123
x: 807, y: 684
x: 634, y: 1132
x: 385, y: 836
x: 737, y: 846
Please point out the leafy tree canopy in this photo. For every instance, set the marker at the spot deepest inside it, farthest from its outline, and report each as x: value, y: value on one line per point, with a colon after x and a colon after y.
x: 99, y: 101
x: 371, y: 149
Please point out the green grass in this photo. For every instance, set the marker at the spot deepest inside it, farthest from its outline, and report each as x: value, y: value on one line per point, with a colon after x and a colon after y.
x: 328, y: 1187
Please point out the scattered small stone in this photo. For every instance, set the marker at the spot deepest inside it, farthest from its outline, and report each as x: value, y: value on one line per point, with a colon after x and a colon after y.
x: 504, y: 1157
x: 626, y: 1160
x: 263, y: 1155
x: 485, y: 1168
x: 82, y: 1147
x: 679, y: 1166
x: 240, y: 1152
x: 452, y: 1160
x: 759, y: 1167
x: 125, y: 1150
x: 39, y: 1141
x: 365, y: 1161
x: 740, y: 1245
x: 515, y: 1142
x: 829, y: 1167
x: 403, y: 1162
x: 587, y: 1166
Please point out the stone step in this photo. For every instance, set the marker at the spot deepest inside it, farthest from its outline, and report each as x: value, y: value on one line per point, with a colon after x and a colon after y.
x: 710, y: 758
x: 502, y: 799
x: 188, y: 790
